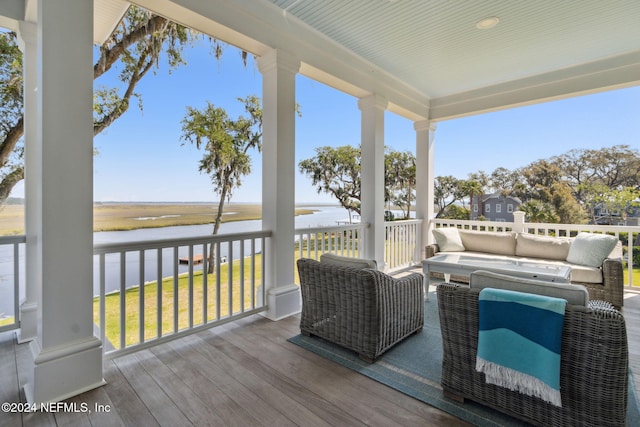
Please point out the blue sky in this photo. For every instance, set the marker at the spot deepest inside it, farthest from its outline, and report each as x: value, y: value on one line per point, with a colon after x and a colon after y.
x: 141, y: 156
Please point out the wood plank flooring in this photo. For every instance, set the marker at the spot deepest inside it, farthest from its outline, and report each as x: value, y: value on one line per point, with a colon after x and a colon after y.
x: 240, y: 374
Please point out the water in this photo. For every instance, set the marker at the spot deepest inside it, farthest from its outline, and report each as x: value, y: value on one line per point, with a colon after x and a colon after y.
x: 325, y: 216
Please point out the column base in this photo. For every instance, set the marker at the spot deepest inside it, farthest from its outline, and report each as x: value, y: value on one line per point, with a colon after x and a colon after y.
x: 64, y: 371
x: 28, y: 322
x: 283, y: 301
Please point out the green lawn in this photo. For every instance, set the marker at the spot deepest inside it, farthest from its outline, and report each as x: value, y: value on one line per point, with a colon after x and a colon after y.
x: 636, y: 277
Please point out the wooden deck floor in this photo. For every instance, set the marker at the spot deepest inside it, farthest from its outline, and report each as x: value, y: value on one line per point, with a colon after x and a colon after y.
x: 240, y: 374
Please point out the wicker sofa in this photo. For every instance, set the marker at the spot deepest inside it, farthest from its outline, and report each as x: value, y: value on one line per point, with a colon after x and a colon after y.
x: 594, y: 360
x: 604, y: 280
x: 359, y: 308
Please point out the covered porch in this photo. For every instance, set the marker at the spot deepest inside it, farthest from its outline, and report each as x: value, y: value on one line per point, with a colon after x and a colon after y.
x: 289, y: 37
x: 242, y: 373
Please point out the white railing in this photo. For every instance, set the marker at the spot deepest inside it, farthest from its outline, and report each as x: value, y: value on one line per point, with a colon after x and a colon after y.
x: 626, y: 234
x: 11, y: 274
x: 402, y: 246
x: 345, y: 240
x: 153, y: 291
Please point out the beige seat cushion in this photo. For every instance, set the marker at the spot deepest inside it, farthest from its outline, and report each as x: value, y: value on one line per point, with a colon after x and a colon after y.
x: 344, y: 261
x: 489, y: 242
x: 547, y: 247
x: 574, y: 294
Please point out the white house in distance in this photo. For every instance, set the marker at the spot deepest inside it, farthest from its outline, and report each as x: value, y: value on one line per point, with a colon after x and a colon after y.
x: 428, y: 61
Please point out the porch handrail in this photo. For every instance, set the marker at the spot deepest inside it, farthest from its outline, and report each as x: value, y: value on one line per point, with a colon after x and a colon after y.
x: 171, y: 304
x: 346, y: 240
x: 17, y: 242
x: 552, y: 229
x: 403, y: 244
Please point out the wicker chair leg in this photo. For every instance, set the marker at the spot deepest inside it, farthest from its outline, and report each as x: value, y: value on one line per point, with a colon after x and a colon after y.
x: 453, y: 396
x: 366, y: 358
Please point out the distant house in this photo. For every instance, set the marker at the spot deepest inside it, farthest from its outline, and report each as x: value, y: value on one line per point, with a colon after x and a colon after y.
x: 603, y: 216
x: 494, y: 207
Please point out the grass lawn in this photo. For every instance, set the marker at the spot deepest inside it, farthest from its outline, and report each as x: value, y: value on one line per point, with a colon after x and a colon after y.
x: 636, y: 277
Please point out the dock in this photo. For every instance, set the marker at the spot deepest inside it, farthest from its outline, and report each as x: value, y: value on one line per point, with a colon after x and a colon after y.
x: 198, y: 259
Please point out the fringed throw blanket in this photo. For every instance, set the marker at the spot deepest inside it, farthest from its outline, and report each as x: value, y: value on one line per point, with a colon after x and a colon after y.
x: 519, y: 342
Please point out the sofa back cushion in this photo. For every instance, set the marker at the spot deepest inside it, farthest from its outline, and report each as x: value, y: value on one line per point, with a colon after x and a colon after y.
x: 486, y: 241
x: 547, y: 247
x: 343, y: 261
x: 448, y: 239
x: 574, y: 294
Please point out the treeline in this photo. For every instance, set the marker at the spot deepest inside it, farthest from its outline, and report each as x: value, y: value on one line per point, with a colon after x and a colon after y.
x: 561, y: 189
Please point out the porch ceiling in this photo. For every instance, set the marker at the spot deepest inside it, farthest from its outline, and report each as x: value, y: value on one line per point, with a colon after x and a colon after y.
x: 427, y: 56
x: 435, y: 47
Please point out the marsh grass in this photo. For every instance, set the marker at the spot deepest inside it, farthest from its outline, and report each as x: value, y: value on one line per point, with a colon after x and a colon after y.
x: 130, y: 216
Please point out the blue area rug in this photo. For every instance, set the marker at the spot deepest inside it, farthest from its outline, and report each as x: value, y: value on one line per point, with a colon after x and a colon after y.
x: 413, y: 367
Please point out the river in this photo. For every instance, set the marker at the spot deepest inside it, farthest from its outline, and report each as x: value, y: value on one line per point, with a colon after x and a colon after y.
x: 325, y: 216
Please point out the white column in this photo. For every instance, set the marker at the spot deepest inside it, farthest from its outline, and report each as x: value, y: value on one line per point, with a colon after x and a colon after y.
x: 67, y: 358
x: 279, y: 70
x: 372, y: 176
x: 425, y: 131
x: 28, y: 35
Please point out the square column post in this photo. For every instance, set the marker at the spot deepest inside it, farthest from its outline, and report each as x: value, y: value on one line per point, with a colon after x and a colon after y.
x: 372, y: 175
x: 425, y: 132
x: 279, y: 70
x: 28, y: 35
x: 67, y: 357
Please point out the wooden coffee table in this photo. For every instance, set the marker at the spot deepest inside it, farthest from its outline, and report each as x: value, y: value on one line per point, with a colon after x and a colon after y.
x: 464, y: 265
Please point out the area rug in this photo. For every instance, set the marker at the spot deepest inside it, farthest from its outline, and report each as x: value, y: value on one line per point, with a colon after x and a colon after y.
x: 413, y: 367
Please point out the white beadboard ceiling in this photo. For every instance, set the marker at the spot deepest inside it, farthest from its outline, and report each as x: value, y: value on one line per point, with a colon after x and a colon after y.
x: 434, y: 45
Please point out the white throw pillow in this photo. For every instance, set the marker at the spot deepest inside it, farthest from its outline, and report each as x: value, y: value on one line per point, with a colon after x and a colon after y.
x: 591, y: 249
x: 448, y: 239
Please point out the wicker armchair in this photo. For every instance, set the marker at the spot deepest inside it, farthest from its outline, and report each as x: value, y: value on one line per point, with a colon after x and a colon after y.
x: 363, y: 310
x: 594, y: 364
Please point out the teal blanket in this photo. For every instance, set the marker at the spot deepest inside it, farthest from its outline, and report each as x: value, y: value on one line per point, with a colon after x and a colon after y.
x: 519, y: 342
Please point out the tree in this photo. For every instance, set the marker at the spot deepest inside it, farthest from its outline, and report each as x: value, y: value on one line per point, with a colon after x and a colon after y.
x: 133, y: 49
x: 11, y: 121
x: 447, y: 191
x: 400, y: 179
x: 336, y: 171
x: 614, y: 167
x: 226, y: 143
x: 537, y: 211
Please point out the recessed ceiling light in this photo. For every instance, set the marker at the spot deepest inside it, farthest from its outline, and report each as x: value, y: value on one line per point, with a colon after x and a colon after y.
x: 486, y: 23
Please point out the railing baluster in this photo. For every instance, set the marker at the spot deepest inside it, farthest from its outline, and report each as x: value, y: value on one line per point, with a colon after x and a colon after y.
x: 123, y: 312
x: 253, y: 272
x: 242, y: 242
x: 159, y: 294
x: 141, y: 297
x: 175, y: 290
x: 218, y: 297
x: 205, y: 284
x: 230, y: 276
x: 190, y: 282
x: 102, y: 302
